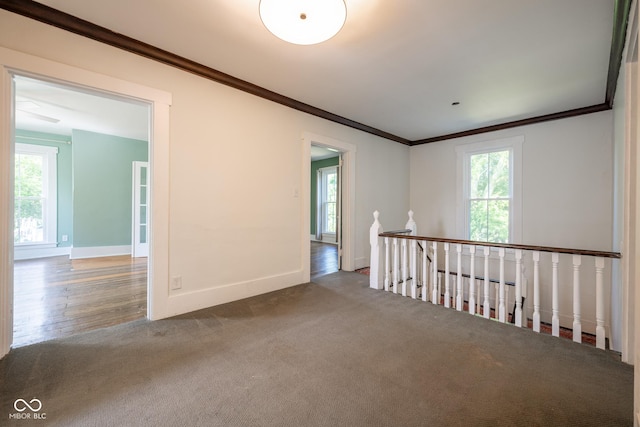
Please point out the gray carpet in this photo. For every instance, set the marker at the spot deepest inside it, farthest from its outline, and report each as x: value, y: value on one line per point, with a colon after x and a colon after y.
x: 329, y: 353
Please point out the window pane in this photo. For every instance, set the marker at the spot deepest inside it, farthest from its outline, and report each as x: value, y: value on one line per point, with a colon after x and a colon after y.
x: 143, y: 234
x: 499, y: 174
x: 143, y: 215
x: 143, y: 175
x: 28, y: 221
x: 478, y: 220
x: 478, y: 188
x: 332, y: 187
x: 28, y: 176
x: 331, y: 217
x: 498, y: 221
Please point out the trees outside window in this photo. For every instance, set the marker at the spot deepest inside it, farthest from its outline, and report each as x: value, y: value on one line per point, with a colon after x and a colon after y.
x: 35, y: 198
x: 489, y: 190
x: 489, y: 201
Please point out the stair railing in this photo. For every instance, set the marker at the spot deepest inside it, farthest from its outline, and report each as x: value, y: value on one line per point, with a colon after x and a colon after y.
x: 411, y: 262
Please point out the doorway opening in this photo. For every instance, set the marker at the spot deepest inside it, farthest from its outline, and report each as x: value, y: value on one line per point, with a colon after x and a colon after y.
x: 326, y: 212
x: 76, y: 216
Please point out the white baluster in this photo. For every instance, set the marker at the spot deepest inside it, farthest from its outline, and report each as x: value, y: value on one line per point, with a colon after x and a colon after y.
x: 472, y: 280
x: 501, y: 308
x: 405, y: 269
x: 600, y: 332
x: 536, y: 291
x: 387, y: 264
x: 486, y: 310
x: 425, y: 271
x: 396, y: 265
x: 555, y: 319
x: 459, y: 294
x: 518, y: 310
x: 435, y: 297
x: 447, y: 295
x: 410, y: 225
x: 577, y: 325
x: 375, y: 265
x: 414, y: 269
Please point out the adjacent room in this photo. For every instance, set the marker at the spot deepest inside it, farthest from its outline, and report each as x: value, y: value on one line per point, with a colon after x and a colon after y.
x: 81, y: 200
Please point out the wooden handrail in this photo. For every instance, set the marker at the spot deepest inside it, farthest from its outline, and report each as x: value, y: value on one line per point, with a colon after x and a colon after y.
x: 586, y: 252
x: 394, y: 232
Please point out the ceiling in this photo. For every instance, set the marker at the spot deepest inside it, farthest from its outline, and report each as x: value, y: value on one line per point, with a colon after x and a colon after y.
x: 396, y: 67
x: 47, y: 107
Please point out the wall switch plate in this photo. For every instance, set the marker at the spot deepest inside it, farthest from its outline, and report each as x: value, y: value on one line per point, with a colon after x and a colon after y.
x: 176, y: 283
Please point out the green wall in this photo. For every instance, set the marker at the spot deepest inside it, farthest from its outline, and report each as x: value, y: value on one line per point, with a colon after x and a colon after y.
x: 102, y: 185
x: 314, y: 187
x: 64, y: 171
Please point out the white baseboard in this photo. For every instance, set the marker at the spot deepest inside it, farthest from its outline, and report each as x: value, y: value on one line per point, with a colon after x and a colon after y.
x: 361, y: 263
x: 100, y: 251
x: 180, y: 303
x: 32, y: 252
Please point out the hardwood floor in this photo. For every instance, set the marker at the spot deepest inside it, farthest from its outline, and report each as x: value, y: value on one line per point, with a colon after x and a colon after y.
x: 56, y: 297
x: 324, y: 259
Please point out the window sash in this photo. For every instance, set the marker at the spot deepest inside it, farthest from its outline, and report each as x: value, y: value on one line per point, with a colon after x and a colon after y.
x: 514, y: 199
x: 48, y: 198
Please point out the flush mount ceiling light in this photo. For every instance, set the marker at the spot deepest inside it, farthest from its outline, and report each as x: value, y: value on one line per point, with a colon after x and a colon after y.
x: 303, y: 21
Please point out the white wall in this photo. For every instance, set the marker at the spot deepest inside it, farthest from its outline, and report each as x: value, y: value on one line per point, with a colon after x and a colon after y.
x: 235, y: 162
x: 567, y: 182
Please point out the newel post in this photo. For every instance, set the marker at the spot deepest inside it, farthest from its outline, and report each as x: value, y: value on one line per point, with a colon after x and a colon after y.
x: 375, y: 267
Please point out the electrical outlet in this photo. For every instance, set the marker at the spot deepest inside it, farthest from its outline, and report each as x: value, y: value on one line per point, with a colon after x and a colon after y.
x: 65, y: 238
x: 176, y: 283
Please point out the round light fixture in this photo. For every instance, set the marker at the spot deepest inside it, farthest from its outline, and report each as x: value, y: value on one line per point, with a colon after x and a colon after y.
x: 303, y: 21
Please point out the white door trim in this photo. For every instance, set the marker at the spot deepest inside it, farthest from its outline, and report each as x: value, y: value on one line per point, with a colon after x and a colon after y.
x: 13, y: 62
x: 348, y: 199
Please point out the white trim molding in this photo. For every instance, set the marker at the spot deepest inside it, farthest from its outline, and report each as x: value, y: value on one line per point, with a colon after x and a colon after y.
x: 40, y: 251
x: 99, y: 251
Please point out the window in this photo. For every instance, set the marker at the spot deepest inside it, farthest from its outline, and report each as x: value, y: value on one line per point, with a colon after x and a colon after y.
x: 489, y: 176
x: 489, y: 203
x: 329, y: 198
x: 35, y: 196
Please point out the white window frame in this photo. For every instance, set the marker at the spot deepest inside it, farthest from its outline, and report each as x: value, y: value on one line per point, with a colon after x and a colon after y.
x: 322, y: 179
x: 464, y: 153
x: 50, y: 177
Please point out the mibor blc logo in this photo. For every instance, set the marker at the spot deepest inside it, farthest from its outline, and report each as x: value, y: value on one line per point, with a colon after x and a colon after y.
x: 28, y: 410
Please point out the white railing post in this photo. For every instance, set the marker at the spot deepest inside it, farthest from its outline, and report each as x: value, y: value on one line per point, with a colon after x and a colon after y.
x: 502, y: 314
x: 435, y: 294
x: 396, y: 265
x: 459, y: 294
x: 375, y: 264
x: 577, y: 325
x: 518, y: 312
x: 405, y: 269
x: 414, y: 269
x: 447, y: 295
x: 536, y: 291
x: 472, y: 280
x: 486, y: 310
x: 555, y: 318
x: 425, y: 271
x: 411, y: 225
x: 387, y: 264
x: 600, y: 332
